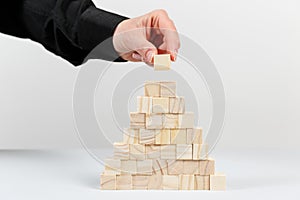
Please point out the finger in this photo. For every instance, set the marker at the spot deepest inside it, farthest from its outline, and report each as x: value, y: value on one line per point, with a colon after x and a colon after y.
x: 168, y: 29
x: 146, y: 50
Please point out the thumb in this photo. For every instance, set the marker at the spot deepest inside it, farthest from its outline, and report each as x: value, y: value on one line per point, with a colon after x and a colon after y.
x: 146, y: 50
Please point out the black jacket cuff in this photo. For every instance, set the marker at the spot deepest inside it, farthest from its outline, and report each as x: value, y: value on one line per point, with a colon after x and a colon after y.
x: 96, y: 26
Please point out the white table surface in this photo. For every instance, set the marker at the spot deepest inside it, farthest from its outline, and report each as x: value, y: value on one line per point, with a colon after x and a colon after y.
x: 74, y: 174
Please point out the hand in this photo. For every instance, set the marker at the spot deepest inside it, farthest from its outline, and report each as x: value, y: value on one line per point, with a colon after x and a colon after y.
x: 140, y: 38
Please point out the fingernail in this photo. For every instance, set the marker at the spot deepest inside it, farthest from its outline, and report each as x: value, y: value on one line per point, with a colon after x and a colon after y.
x: 136, y: 56
x: 149, y: 56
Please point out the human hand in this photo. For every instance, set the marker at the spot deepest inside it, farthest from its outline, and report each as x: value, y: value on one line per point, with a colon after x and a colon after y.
x: 140, y: 38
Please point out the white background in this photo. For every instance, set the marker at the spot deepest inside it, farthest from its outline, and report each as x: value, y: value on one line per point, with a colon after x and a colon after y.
x: 254, y: 44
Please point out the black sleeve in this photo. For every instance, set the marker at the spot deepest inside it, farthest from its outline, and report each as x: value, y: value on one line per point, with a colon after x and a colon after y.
x: 68, y: 28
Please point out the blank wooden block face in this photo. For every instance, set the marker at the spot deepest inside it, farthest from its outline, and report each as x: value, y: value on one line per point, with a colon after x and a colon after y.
x: 140, y: 182
x: 201, y: 182
x: 162, y: 62
x: 178, y: 136
x: 137, y: 120
x: 131, y: 136
x: 207, y: 167
x: 128, y: 167
x: 160, y: 105
x: 186, y: 182
x: 177, y: 105
x: 184, y: 151
x: 200, y: 151
x: 152, y: 89
x: 163, y: 137
x: 147, y: 136
x: 124, y: 182
x: 154, y: 121
x: 144, y: 167
x: 186, y: 120
x: 137, y: 152
x: 112, y: 166
x: 170, y: 121
x: 190, y: 167
x: 152, y: 152
x: 170, y: 182
x: 108, y: 182
x: 121, y: 151
x: 168, y: 89
x: 175, y: 167
x: 160, y: 167
x: 168, y: 152
x: 144, y: 104
x: 194, y: 136
x: 218, y: 182
x: 155, y: 182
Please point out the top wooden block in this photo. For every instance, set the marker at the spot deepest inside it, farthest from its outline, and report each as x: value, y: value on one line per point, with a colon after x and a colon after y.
x: 160, y: 89
x: 162, y: 62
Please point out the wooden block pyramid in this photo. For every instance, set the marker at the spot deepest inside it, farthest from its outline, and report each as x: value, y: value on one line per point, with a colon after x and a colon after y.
x: 161, y: 150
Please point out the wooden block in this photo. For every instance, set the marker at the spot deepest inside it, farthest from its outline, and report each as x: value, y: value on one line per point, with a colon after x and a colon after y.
x: 131, y: 136
x: 186, y: 182
x: 107, y: 182
x: 144, y: 104
x: 200, y: 151
x: 206, y: 167
x: 147, y: 136
x: 176, y: 105
x: 175, y: 167
x: 152, y: 89
x: 201, y: 182
x: 184, y: 151
x: 160, y: 167
x: 163, y: 137
x: 186, y: 120
x: 144, y: 167
x: 112, y: 166
x: 124, y: 182
x: 168, y: 89
x: 140, y: 182
x: 218, y: 182
x: 168, y: 152
x: 162, y: 62
x: 160, y: 105
x: 152, y: 152
x: 155, y: 182
x: 137, y: 152
x: 194, y: 136
x: 178, y: 136
x: 170, y: 182
x: 170, y: 121
x: 121, y: 151
x: 137, y: 120
x: 190, y: 167
x: 128, y: 167
x: 154, y: 121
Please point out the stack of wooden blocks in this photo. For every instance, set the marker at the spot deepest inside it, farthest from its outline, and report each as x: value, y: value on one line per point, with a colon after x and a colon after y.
x: 162, y: 149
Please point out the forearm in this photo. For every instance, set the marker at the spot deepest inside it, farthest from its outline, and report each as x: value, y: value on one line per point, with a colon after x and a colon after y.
x: 68, y: 28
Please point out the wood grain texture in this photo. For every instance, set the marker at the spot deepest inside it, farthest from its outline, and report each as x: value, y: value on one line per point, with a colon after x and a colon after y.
x: 163, y: 136
x: 160, y: 105
x: 124, y: 182
x: 107, y: 182
x: 184, y: 151
x: 176, y: 105
x: 137, y: 152
x: 168, y: 152
x: 202, y: 182
x: 152, y: 89
x: 178, y: 136
x: 218, y: 182
x: 186, y: 182
x: 121, y: 151
x: 194, y: 135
